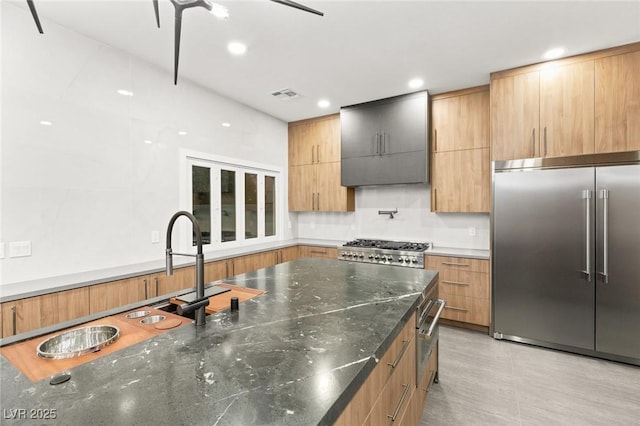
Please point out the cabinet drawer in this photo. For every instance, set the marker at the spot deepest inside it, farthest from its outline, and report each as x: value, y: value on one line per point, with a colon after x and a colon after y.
x: 467, y: 309
x: 323, y: 252
x: 464, y: 283
x: 396, y: 394
x: 360, y: 406
x: 442, y: 263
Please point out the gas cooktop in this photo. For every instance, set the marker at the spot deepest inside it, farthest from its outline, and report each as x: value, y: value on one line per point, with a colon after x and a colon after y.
x: 396, y: 253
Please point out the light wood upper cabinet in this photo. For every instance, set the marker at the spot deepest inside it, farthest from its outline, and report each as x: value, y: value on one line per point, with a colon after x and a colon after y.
x: 313, y: 141
x: 566, y: 110
x: 617, y: 103
x: 460, y: 165
x: 515, y: 116
x: 461, y: 181
x: 314, y: 167
x: 460, y: 121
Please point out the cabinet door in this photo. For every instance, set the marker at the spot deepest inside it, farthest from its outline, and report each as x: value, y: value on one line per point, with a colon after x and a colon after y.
x: 301, y: 188
x: 360, y: 131
x: 617, y: 103
x: 326, y: 139
x: 161, y: 283
x: 331, y: 196
x: 300, y: 143
x: 72, y: 304
x: 214, y: 271
x: 460, y: 122
x: 515, y: 116
x: 29, y: 314
x: 566, y: 110
x: 287, y: 254
x: 461, y: 181
x: 111, y: 295
x: 404, y: 124
x: 322, y: 252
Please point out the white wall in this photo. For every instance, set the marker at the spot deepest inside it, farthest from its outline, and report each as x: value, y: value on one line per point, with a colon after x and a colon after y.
x: 86, y: 191
x: 414, y: 221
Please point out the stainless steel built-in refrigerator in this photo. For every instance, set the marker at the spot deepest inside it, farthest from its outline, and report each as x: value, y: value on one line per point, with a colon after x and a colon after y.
x: 566, y: 253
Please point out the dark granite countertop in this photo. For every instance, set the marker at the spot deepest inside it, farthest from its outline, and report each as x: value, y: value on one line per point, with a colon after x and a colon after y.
x: 295, y: 355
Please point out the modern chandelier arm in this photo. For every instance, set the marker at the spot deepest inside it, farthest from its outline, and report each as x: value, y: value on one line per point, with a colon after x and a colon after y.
x: 180, y: 5
x: 34, y: 13
x: 298, y: 6
x: 157, y: 12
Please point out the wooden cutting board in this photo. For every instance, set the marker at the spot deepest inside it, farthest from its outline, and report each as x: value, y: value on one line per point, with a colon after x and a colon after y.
x: 23, y: 355
x: 220, y: 302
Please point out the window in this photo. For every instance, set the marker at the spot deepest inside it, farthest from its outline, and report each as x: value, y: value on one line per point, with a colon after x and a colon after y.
x: 234, y: 203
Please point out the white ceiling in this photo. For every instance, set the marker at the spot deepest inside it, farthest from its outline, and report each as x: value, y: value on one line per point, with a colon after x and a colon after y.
x: 359, y: 51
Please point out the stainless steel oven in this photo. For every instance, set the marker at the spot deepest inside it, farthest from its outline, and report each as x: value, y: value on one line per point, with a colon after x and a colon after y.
x: 429, y: 312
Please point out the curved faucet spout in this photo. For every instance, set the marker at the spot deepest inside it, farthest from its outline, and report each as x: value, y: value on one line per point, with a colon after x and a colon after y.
x: 200, y: 311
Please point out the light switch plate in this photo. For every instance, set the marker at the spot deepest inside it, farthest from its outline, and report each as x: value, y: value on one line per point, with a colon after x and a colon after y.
x: 155, y: 237
x: 1, y: 250
x: 19, y: 248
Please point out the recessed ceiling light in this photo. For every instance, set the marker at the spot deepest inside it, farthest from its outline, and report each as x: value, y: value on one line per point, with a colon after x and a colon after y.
x: 219, y: 11
x: 125, y: 92
x: 226, y: 124
x: 415, y: 83
x: 182, y: 133
x: 147, y: 141
x: 323, y: 103
x: 46, y: 123
x: 554, y: 53
x: 237, y: 48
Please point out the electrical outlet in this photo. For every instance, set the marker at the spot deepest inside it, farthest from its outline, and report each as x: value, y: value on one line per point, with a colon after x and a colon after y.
x: 19, y: 248
x: 1, y: 250
x: 155, y: 237
x: 472, y: 231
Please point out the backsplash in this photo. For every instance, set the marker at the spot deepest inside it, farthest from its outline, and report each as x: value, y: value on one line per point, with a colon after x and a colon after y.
x: 413, y: 222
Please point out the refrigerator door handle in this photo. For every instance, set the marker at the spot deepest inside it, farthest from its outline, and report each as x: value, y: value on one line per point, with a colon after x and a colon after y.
x: 586, y: 195
x: 604, y: 275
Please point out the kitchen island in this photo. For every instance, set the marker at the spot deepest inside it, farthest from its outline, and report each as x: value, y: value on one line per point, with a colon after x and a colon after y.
x: 294, y: 355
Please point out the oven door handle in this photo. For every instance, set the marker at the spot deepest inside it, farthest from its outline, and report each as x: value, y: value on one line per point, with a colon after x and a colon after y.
x: 435, y: 321
x: 425, y: 313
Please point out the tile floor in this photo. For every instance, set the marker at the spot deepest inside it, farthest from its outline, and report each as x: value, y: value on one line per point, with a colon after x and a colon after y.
x: 490, y: 382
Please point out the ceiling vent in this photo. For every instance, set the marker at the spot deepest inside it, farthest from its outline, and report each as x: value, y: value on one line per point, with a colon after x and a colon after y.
x: 285, y: 94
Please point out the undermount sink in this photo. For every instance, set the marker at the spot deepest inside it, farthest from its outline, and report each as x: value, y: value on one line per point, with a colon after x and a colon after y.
x: 78, y: 342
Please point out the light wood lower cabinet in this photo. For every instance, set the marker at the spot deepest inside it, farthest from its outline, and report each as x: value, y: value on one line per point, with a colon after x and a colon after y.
x: 464, y: 284
x: 316, y: 251
x: 392, y: 378
x: 23, y: 315
x: 28, y: 314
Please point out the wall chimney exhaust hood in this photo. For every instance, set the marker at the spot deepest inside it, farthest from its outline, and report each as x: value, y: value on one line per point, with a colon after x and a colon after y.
x: 385, y: 142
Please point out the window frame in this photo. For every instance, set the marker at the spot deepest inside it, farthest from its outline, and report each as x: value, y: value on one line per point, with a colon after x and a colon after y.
x: 216, y: 163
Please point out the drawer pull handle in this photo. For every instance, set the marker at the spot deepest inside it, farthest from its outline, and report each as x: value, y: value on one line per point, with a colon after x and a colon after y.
x: 454, y: 308
x: 14, y: 318
x: 405, y: 345
x: 455, y: 283
x: 397, y: 410
x: 318, y: 252
x: 454, y: 264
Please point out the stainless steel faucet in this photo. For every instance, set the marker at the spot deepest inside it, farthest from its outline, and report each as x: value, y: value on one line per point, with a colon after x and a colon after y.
x: 199, y: 304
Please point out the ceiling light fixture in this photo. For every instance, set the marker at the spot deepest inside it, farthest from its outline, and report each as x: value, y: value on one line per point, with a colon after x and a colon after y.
x: 237, y: 48
x: 34, y: 13
x: 148, y: 142
x: 182, y: 133
x: 323, y: 103
x: 226, y: 124
x: 125, y: 92
x: 46, y: 123
x: 415, y: 83
x: 219, y: 11
x: 181, y: 5
x: 554, y: 53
